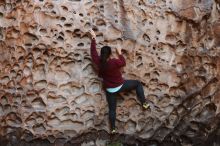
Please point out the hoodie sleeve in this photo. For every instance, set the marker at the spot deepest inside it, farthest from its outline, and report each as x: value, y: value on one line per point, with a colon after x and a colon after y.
x: 94, y: 53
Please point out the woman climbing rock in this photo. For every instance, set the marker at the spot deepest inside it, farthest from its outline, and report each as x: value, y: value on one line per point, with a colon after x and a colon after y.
x: 109, y: 71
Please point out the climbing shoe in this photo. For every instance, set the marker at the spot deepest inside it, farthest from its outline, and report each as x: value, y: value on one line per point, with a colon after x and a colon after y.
x: 113, y: 131
x: 146, y: 105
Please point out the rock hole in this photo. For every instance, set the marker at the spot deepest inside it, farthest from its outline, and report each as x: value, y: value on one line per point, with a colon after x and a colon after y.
x: 54, y: 122
x: 40, y: 84
x: 94, y: 88
x: 63, y: 19
x: 100, y: 22
x: 80, y: 14
x: 62, y: 111
x: 170, y: 37
x: 1, y: 15
x: 158, y: 32
x: 54, y: 12
x: 37, y: 9
x: 151, y: 23
x: 76, y: 33
x: 95, y: 28
x: 13, y: 119
x: 80, y: 44
x: 54, y: 43
x: 101, y: 6
x: 50, y: 6
x: 39, y: 128
x: 140, y: 65
x: 43, y: 31
x: 68, y: 25
x: 146, y: 37
x: 64, y: 8
x: 30, y: 36
x: 38, y: 104
x: 60, y: 38
x: 80, y: 99
x: 87, y: 25
x: 74, y: 12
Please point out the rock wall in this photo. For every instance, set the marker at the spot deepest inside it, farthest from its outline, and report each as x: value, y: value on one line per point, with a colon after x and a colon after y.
x: 49, y: 89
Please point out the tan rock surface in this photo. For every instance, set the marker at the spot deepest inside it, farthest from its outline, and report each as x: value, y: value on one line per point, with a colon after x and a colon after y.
x: 49, y: 89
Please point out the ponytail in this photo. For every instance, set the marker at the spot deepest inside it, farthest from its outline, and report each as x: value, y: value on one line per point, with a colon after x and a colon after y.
x: 105, y: 53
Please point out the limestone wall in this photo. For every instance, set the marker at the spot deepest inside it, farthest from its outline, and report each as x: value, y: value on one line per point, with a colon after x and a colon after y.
x: 49, y: 88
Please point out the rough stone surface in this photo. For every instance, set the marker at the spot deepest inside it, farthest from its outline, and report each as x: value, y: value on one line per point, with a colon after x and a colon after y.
x: 49, y: 89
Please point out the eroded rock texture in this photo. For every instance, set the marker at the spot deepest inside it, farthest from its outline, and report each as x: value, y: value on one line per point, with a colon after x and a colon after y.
x: 49, y: 89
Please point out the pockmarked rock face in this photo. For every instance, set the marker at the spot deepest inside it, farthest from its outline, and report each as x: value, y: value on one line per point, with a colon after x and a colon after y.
x: 49, y: 88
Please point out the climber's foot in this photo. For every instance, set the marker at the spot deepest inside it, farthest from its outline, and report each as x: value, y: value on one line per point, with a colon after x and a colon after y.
x: 113, y: 131
x: 145, y: 105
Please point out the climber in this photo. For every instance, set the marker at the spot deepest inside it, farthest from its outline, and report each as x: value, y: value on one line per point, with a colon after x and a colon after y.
x: 109, y: 71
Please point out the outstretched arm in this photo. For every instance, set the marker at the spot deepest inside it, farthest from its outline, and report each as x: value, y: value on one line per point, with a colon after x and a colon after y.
x: 94, y: 53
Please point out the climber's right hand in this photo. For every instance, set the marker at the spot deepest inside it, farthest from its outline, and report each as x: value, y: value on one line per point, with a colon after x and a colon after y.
x: 92, y: 33
x: 118, y: 49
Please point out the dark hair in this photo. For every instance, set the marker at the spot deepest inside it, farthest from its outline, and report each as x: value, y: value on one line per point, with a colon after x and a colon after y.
x: 105, y: 53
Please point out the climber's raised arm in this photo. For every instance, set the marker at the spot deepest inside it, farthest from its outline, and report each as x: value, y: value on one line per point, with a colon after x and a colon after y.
x: 94, y: 53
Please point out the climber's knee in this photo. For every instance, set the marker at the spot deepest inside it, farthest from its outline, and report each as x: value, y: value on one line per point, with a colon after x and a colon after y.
x: 138, y: 83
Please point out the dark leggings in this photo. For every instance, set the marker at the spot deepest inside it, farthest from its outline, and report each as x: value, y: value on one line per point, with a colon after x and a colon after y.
x: 127, y: 86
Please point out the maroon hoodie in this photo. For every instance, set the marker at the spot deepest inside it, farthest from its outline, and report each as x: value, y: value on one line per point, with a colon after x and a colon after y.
x: 111, y: 75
